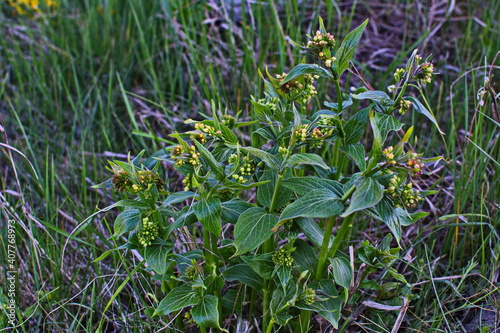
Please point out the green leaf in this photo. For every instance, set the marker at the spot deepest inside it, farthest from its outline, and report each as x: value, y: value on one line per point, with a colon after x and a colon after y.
x: 417, y: 106
x: 156, y: 256
x: 375, y: 95
x: 302, y: 69
x: 320, y: 203
x: 283, y: 297
x: 311, y: 229
x: 355, y: 127
x: 284, y: 274
x: 214, y: 284
x: 126, y: 221
x: 208, y: 212
x: 356, y: 151
x: 262, y: 264
x: 232, y: 209
x: 178, y: 298
x: 305, y: 257
x: 376, y: 152
x: 206, y: 312
x: 262, y: 111
x: 252, y: 229
x: 265, y: 191
x: 215, y: 166
x: 178, y: 197
x: 394, y: 218
x: 232, y: 301
x: 267, y: 158
x: 305, y: 185
x: 387, y: 123
x: 244, y: 274
x: 367, y: 194
x: 342, y: 271
x: 347, y: 49
x: 330, y: 307
x: 306, y: 158
x: 227, y: 134
x: 132, y: 204
x: 347, y: 102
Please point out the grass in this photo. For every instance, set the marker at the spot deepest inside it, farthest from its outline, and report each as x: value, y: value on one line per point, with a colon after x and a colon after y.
x: 95, y: 80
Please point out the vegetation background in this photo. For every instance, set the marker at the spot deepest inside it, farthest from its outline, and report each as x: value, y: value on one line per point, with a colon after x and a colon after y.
x: 87, y: 81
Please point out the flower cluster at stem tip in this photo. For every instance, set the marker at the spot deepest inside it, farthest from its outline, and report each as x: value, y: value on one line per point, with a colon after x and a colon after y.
x: 182, y: 156
x: 403, y: 191
x: 305, y: 91
x: 148, y: 232
x: 282, y: 258
x: 146, y: 178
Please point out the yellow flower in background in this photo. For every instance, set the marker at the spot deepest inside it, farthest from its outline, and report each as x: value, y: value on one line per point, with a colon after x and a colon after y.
x: 23, y: 7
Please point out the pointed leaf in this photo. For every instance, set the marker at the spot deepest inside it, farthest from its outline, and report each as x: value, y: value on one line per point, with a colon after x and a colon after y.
x: 215, y: 166
x: 375, y: 95
x: 342, y: 272
x: 306, y: 158
x: 232, y: 209
x: 320, y: 203
x: 417, y: 106
x: 126, y: 221
x: 178, y: 298
x: 244, y: 274
x: 252, y: 229
x: 206, y: 312
x: 355, y: 127
x: 265, y: 191
x: 387, y: 123
x: 208, y: 212
x: 367, y: 194
x: 347, y: 49
x: 356, y: 151
x: 302, y: 69
x: 156, y: 256
x: 305, y: 185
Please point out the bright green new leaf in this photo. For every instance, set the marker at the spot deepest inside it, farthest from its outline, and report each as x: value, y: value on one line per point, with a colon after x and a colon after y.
x: 347, y: 49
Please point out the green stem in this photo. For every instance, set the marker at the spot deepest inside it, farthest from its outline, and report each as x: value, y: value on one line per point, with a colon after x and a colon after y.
x: 274, y: 199
x: 339, y: 237
x: 324, y: 248
x: 266, y: 315
x: 304, y: 319
x: 270, y: 326
x: 339, y: 95
x: 207, y: 245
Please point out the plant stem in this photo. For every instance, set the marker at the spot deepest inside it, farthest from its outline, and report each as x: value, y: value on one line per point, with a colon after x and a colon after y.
x: 207, y: 245
x: 304, y: 319
x: 270, y: 326
x: 324, y: 248
x: 274, y: 199
x: 268, y: 247
x: 339, y: 95
x: 339, y: 237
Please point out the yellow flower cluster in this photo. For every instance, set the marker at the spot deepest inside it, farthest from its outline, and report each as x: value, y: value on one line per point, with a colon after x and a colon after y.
x: 22, y: 6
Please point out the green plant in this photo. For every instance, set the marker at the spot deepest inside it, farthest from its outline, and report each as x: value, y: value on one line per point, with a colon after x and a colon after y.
x: 267, y: 206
